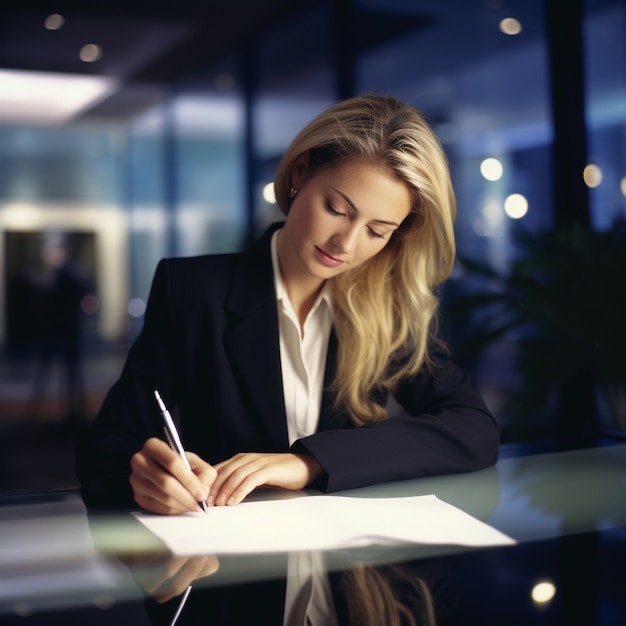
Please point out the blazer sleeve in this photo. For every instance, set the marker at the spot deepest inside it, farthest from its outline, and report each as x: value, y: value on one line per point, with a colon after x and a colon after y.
x: 129, y: 415
x: 444, y: 428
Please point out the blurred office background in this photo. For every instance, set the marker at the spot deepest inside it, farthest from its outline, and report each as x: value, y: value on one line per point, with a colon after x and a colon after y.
x: 130, y: 131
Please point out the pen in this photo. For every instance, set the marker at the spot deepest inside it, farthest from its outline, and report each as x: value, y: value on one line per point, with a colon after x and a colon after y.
x: 171, y: 434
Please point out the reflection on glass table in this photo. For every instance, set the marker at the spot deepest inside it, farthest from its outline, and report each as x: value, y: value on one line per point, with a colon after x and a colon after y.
x: 567, y: 512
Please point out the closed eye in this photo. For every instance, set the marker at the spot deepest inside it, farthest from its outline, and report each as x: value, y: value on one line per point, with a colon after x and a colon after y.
x: 375, y: 233
x: 331, y: 210
x: 372, y: 231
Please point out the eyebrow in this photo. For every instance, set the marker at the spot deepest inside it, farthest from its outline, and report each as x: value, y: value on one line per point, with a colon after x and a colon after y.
x: 356, y: 210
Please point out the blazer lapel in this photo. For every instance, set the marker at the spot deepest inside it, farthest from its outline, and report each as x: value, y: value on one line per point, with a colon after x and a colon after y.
x: 252, y: 342
x: 253, y: 347
x: 330, y: 417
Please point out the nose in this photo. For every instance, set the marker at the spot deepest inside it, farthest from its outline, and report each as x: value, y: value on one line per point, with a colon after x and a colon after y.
x: 345, y: 239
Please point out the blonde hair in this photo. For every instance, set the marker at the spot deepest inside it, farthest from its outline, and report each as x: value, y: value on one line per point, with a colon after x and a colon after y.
x: 385, y: 309
x: 389, y: 596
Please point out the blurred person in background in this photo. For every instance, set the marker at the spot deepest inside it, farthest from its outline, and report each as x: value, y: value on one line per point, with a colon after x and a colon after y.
x: 57, y: 293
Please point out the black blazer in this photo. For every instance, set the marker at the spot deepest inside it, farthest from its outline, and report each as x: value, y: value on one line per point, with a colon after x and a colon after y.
x: 210, y: 345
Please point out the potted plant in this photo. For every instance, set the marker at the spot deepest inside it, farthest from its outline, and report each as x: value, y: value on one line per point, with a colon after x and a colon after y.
x: 562, y: 303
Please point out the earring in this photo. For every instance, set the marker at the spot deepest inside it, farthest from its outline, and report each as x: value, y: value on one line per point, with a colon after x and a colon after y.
x: 292, y: 193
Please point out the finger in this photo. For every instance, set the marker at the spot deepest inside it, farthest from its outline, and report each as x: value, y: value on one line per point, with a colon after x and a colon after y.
x: 172, y: 462
x: 150, y: 479
x: 240, y: 475
x: 160, y: 505
x: 224, y: 471
x: 152, y: 484
x: 192, y: 569
x: 209, y: 567
x: 176, y: 585
x: 240, y: 479
x: 154, y: 577
x: 205, y: 472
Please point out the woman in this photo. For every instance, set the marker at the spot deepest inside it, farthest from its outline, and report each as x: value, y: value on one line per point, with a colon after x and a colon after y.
x: 311, y: 359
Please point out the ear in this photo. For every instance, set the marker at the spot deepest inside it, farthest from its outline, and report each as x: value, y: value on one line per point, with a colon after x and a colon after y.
x: 299, y: 170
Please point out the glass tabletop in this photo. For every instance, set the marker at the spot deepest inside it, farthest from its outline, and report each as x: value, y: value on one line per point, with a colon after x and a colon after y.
x: 566, y: 511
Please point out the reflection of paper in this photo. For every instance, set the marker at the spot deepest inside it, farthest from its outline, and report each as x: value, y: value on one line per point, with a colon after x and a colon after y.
x: 320, y: 523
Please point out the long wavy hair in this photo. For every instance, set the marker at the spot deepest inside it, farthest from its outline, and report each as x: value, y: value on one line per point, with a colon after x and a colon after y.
x: 389, y: 595
x: 384, y: 310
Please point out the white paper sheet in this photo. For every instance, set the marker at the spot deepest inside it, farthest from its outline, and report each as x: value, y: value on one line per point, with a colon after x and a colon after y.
x: 320, y: 523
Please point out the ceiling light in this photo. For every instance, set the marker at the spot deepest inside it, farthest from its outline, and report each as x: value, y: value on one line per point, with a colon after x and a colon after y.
x: 543, y: 592
x: 90, y: 53
x: 510, y: 26
x: 269, y: 195
x: 592, y: 175
x: 49, y: 98
x: 491, y: 169
x: 516, y: 206
x: 54, y: 21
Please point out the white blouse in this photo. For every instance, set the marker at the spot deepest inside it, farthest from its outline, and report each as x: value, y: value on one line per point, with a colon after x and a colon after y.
x: 302, y: 356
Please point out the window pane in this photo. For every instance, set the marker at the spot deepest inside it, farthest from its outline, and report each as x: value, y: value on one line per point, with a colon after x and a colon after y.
x: 485, y: 93
x: 605, y: 63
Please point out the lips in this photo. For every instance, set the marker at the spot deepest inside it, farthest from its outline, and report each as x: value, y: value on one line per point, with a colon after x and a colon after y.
x: 327, y: 259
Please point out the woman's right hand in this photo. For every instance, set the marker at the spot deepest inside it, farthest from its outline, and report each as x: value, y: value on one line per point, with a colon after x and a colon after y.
x: 162, y: 483
x: 166, y: 577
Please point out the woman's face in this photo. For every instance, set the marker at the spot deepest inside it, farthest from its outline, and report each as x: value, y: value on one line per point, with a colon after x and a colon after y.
x: 341, y: 217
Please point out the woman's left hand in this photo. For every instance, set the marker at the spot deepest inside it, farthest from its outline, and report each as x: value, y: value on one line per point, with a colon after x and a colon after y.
x: 240, y: 475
